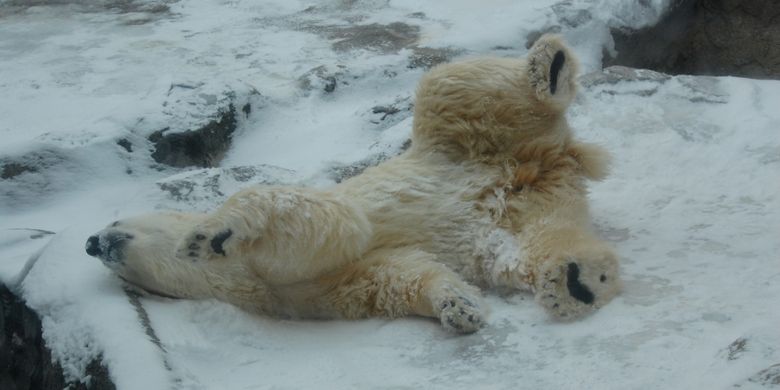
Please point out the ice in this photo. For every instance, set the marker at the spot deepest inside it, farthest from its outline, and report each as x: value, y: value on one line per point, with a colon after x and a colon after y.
x: 691, y: 204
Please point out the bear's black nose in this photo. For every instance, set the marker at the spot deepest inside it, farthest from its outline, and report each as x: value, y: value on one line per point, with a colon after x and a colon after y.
x: 93, y: 246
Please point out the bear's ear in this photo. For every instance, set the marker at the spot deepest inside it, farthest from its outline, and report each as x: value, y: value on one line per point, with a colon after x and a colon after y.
x: 552, y: 71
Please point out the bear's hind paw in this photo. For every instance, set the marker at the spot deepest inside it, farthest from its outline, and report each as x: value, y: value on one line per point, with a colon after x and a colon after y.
x: 459, y: 314
x: 552, y: 71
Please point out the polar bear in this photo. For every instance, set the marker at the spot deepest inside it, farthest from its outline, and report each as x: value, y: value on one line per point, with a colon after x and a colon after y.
x: 490, y: 195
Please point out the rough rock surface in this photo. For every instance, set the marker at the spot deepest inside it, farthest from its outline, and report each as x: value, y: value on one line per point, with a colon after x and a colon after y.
x: 707, y: 37
x: 193, y: 189
x: 25, y: 362
x: 203, y: 147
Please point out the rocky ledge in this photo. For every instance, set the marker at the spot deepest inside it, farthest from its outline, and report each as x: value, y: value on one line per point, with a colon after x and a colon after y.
x: 26, y: 362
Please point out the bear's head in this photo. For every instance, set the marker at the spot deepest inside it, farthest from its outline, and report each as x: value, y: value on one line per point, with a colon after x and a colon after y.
x: 484, y: 108
x: 141, y: 251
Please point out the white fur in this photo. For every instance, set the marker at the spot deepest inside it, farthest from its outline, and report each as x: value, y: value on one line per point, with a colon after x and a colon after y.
x: 491, y: 194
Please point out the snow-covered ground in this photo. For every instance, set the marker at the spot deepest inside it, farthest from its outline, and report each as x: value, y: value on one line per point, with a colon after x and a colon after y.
x: 692, y: 205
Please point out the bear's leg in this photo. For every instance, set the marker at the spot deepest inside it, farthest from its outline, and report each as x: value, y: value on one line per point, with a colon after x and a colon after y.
x: 399, y: 282
x: 285, y: 224
x: 573, y: 271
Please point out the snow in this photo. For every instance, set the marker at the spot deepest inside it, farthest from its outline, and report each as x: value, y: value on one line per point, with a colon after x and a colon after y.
x: 691, y: 205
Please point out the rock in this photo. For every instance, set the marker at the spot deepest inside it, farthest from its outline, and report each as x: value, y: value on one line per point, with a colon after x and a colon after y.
x: 769, y: 377
x: 388, y: 115
x: 25, y: 362
x: 203, y: 147
x: 11, y: 169
x: 382, y: 38
x: 615, y: 74
x: 736, y: 348
x: 26, y: 178
x: 428, y: 57
x: 341, y: 172
x: 207, y: 188
x: 534, y: 36
x: 620, y: 80
x: 130, y: 12
x: 322, y: 78
x: 706, y: 37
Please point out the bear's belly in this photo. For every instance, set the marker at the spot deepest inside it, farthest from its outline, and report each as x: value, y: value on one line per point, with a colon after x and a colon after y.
x: 461, y: 236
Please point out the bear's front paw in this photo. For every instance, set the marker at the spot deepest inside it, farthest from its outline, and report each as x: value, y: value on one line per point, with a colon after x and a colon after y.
x: 576, y: 286
x: 205, y: 243
x: 460, y: 314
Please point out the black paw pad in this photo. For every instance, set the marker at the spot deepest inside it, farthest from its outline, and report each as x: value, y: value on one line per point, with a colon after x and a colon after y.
x: 218, y: 240
x: 555, y: 69
x: 577, y: 290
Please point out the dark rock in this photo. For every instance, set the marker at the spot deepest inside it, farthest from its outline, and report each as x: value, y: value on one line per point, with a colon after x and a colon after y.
x: 203, y: 147
x: 706, y: 37
x: 25, y: 362
x: 125, y: 144
x: 12, y: 169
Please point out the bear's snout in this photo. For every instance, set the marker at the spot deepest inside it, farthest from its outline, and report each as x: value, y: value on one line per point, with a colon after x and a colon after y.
x: 107, y: 246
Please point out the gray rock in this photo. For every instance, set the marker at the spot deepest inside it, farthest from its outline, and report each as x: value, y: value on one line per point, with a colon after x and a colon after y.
x: 388, y: 115
x: 615, y: 74
x: 26, y: 178
x: 206, y: 188
x: 202, y: 147
x: 428, y: 57
x: 322, y: 78
x: 382, y: 38
x: 769, y: 377
x: 706, y: 37
x: 25, y: 362
x: 341, y: 172
x: 736, y: 348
